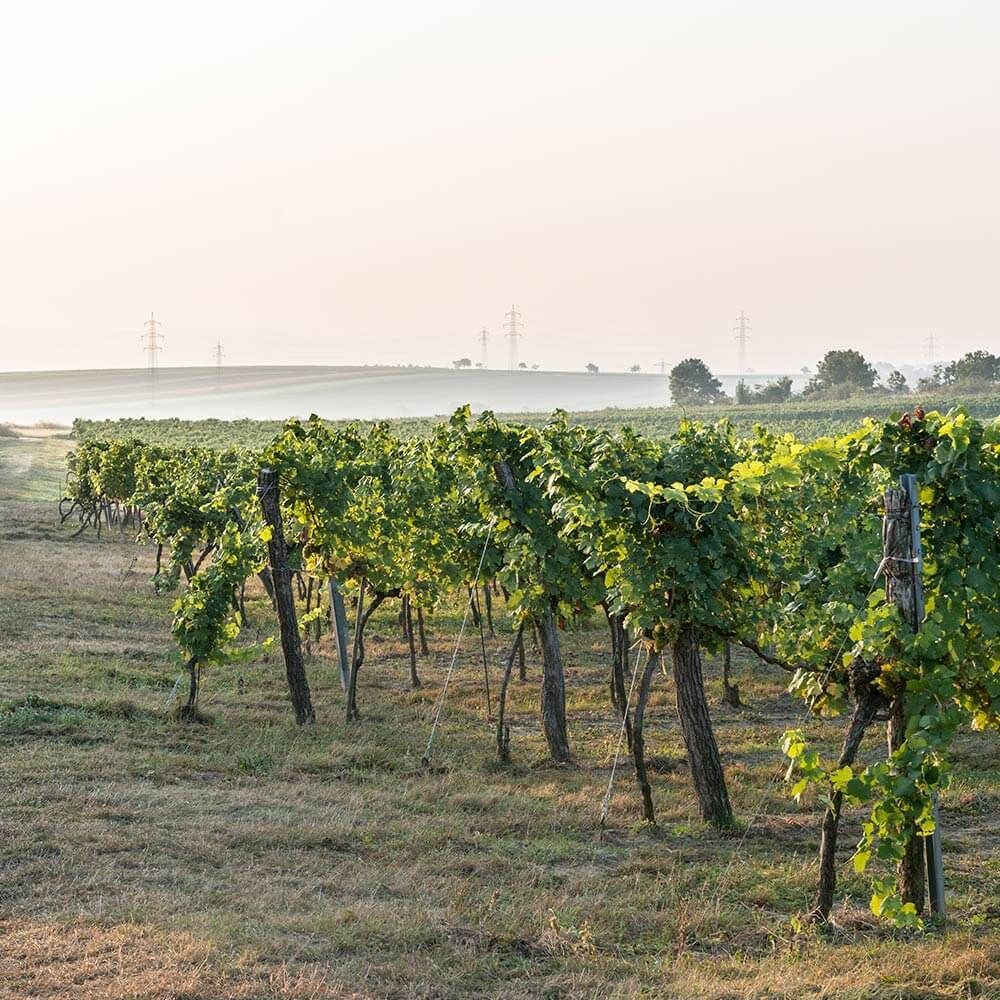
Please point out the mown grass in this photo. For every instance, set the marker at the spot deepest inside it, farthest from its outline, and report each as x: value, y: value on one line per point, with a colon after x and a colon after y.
x: 33, y: 462
x: 247, y: 857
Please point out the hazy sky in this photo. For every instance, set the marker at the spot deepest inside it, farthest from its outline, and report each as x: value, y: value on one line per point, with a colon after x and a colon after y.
x: 374, y: 182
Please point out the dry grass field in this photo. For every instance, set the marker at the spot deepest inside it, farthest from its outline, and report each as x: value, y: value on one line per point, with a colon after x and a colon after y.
x: 247, y: 858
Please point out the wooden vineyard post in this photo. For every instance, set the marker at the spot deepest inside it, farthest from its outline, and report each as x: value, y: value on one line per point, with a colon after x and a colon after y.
x: 935, y: 867
x: 903, y: 562
x: 503, y: 730
x: 339, y: 616
x: 288, y: 626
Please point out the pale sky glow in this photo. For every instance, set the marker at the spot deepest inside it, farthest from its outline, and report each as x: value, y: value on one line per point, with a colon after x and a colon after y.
x: 349, y: 183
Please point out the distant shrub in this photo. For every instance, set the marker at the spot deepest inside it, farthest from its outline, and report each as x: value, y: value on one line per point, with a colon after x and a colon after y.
x: 779, y: 391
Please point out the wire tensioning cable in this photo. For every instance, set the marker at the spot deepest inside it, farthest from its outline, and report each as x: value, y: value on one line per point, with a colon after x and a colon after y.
x: 606, y: 802
x: 426, y: 759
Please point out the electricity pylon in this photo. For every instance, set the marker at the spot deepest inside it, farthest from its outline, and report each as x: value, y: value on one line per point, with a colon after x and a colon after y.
x: 218, y: 353
x: 152, y: 340
x: 930, y: 349
x: 513, y: 326
x: 742, y: 331
x: 484, y: 339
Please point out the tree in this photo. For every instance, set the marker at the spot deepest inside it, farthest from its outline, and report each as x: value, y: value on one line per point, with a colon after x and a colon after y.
x: 592, y: 368
x: 692, y: 382
x: 935, y: 380
x: 977, y: 368
x: 778, y: 391
x: 896, y: 382
x: 462, y: 363
x: 974, y: 367
x: 840, y: 374
x: 635, y: 369
x: 524, y: 365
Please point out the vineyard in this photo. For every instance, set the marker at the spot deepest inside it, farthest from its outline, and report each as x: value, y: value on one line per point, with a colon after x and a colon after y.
x: 807, y: 420
x: 499, y: 554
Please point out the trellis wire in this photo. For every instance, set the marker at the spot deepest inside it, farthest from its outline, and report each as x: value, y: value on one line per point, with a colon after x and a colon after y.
x: 173, y: 692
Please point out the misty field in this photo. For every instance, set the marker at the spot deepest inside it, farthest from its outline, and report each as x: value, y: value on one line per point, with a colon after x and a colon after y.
x: 244, y: 856
x: 273, y: 393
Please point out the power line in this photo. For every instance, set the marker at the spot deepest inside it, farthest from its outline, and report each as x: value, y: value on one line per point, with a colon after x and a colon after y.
x: 742, y: 331
x: 152, y: 341
x: 513, y: 325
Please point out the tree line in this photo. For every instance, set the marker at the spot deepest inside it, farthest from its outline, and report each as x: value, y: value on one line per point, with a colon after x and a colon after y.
x: 840, y: 374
